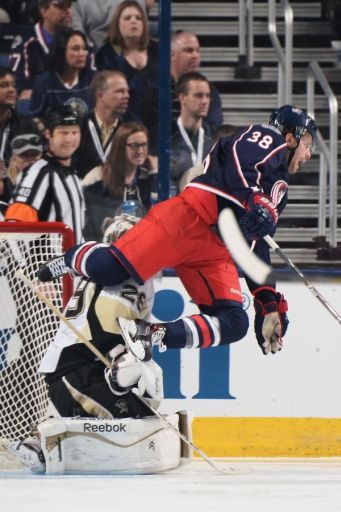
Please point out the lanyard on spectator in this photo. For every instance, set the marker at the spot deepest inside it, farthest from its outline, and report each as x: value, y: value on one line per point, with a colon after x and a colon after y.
x: 197, y: 155
x: 96, y: 140
x: 3, y: 142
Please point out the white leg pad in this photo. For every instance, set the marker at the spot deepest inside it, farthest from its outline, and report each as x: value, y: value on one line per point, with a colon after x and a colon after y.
x: 132, y: 446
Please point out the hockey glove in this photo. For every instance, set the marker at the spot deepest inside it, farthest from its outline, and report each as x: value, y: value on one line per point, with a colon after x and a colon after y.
x: 271, y: 321
x: 130, y: 374
x: 260, y: 217
x: 124, y: 375
x: 71, y: 262
x: 53, y: 269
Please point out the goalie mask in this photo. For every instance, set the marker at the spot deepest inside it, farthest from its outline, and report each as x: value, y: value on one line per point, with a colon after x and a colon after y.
x: 290, y: 119
x: 115, y: 227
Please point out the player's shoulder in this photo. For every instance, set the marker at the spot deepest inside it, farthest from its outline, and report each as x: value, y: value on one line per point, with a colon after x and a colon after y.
x: 267, y: 129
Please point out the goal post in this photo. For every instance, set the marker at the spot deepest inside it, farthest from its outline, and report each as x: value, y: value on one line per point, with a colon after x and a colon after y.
x: 26, y: 324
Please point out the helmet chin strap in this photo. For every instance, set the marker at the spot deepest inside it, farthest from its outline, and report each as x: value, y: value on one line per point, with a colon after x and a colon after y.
x: 292, y: 152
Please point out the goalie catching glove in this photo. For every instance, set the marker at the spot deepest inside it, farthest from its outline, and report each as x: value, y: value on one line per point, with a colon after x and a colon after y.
x: 260, y: 217
x: 130, y: 374
x: 271, y: 321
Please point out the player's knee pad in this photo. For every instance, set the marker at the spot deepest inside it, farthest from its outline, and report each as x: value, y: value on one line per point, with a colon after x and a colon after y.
x: 90, y: 445
x: 234, y: 323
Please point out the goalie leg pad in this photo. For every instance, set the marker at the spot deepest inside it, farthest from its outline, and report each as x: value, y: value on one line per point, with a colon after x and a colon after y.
x: 89, y: 445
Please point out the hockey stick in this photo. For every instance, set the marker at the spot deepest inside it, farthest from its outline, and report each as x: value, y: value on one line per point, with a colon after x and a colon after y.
x: 239, y: 249
x: 273, y: 245
x: 106, y: 362
x: 253, y: 266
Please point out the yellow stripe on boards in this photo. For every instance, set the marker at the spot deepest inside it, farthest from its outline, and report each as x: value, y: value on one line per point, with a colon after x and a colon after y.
x: 268, y: 437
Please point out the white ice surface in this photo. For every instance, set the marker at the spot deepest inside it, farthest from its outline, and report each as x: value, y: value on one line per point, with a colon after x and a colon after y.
x: 270, y: 486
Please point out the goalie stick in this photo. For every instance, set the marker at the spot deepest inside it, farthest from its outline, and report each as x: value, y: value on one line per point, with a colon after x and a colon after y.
x: 106, y: 362
x: 253, y: 266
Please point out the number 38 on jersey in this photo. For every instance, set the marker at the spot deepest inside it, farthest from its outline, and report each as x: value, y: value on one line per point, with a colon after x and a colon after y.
x: 263, y: 141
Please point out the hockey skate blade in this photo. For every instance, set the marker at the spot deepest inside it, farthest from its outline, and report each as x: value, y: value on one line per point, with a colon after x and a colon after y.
x: 235, y: 242
x: 135, y: 347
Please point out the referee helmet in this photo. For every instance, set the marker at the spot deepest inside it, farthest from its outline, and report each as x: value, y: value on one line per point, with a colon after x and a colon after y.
x: 64, y: 115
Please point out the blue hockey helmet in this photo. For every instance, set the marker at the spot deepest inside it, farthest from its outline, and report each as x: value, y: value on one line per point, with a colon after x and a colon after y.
x: 131, y: 207
x: 290, y: 119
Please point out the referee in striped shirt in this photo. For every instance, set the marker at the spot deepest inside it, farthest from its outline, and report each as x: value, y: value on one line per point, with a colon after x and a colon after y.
x: 50, y: 189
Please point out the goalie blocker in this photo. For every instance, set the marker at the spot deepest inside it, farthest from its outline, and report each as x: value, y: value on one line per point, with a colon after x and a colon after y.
x: 91, y: 445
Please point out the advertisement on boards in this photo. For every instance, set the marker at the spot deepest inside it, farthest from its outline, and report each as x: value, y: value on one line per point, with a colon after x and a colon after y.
x: 303, y: 380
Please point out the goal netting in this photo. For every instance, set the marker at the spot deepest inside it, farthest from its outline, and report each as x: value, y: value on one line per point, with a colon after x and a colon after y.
x: 26, y: 324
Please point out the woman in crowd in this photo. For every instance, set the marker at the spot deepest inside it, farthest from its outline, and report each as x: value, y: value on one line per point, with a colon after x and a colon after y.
x: 129, y: 48
x: 27, y: 148
x: 126, y: 175
x: 68, y: 77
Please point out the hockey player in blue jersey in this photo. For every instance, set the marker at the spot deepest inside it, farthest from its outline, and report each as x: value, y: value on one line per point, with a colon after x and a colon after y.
x: 247, y: 172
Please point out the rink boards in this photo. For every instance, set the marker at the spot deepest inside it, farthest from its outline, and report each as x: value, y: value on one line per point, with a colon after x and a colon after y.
x: 246, y: 404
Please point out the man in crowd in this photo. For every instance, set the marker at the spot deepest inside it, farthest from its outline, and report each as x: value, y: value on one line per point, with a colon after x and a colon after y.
x: 185, y: 58
x: 110, y: 92
x: 192, y: 140
x: 50, y: 190
x: 28, y: 58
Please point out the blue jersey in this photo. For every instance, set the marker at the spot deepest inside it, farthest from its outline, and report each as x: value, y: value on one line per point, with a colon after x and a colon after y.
x: 50, y: 91
x: 252, y: 159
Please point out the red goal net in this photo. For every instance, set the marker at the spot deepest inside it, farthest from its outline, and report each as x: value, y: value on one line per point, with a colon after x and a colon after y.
x: 26, y: 324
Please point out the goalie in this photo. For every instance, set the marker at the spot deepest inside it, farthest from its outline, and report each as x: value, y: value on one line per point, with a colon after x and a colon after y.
x: 80, y: 386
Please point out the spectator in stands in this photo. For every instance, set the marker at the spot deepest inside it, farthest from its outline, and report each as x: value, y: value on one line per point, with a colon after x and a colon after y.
x: 192, y: 139
x: 110, y: 95
x: 67, y: 80
x: 50, y: 189
x: 225, y: 130
x: 27, y: 148
x: 28, y: 58
x: 129, y: 47
x: 185, y: 57
x: 93, y: 17
x: 11, y: 124
x: 126, y: 175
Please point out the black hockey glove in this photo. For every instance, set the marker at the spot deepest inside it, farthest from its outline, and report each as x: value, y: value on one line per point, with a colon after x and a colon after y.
x: 53, y: 269
x: 260, y: 217
x: 67, y: 263
x: 271, y: 321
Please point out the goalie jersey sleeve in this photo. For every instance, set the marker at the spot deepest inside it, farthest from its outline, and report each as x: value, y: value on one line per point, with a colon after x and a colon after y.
x: 93, y: 310
x: 253, y: 159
